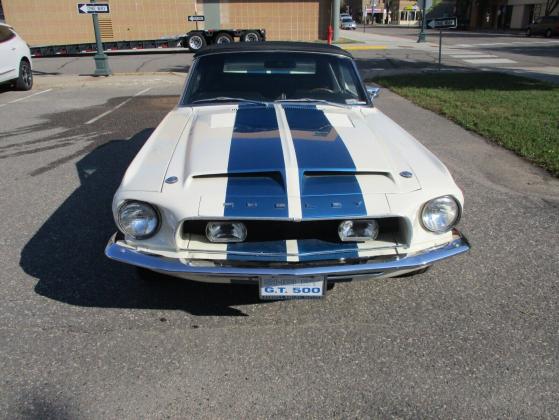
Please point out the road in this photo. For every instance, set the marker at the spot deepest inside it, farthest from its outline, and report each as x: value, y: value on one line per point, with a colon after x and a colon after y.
x: 82, y: 337
x: 396, y: 50
x: 464, y: 50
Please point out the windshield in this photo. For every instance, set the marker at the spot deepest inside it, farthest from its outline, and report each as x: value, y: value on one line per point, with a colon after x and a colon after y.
x: 347, y: 19
x: 268, y: 77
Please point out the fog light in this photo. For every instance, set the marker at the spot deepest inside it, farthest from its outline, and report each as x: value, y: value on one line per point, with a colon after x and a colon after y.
x: 226, y: 231
x: 358, y: 230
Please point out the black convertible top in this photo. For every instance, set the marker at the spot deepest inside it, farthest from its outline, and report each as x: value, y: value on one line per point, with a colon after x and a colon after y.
x: 272, y: 46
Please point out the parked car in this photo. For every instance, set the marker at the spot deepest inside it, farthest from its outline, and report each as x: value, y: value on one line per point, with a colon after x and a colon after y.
x: 277, y: 169
x: 546, y: 25
x: 344, y: 15
x: 15, y: 59
x: 347, y: 23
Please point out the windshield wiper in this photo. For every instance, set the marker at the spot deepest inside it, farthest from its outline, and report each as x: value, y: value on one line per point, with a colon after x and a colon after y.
x: 228, y: 99
x: 320, y: 101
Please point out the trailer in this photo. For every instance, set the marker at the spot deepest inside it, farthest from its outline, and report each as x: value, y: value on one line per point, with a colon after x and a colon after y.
x: 197, y: 39
x: 194, y: 40
x: 113, y: 47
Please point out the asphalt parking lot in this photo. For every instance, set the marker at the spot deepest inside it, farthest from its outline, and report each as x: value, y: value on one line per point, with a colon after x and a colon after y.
x: 82, y: 337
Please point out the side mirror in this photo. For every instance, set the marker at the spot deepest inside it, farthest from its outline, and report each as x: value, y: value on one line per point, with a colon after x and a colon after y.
x: 373, y: 92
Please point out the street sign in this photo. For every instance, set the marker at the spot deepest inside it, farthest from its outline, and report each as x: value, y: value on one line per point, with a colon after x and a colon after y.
x: 196, y: 18
x: 92, y: 8
x: 443, y: 23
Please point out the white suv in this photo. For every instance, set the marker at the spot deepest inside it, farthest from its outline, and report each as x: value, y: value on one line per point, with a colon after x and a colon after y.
x: 15, y: 59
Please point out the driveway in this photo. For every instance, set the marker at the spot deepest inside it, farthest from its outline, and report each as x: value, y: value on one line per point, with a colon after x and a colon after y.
x: 83, y: 337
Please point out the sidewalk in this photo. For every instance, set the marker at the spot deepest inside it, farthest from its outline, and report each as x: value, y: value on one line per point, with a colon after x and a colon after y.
x: 385, y: 41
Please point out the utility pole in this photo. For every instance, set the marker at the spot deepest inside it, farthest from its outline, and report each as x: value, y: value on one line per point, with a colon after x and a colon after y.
x: 101, y: 60
x: 421, y: 37
x: 336, y: 18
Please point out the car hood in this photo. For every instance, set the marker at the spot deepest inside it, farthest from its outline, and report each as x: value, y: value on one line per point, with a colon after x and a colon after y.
x: 284, y: 161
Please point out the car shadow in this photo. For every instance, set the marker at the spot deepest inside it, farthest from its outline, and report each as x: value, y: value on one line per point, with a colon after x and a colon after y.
x: 66, y: 254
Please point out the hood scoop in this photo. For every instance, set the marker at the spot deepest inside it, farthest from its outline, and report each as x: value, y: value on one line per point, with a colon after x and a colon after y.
x: 249, y: 183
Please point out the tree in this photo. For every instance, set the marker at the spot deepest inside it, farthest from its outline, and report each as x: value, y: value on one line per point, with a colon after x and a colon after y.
x: 550, y: 6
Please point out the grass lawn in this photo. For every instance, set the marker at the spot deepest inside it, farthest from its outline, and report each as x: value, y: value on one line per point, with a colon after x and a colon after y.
x: 518, y: 113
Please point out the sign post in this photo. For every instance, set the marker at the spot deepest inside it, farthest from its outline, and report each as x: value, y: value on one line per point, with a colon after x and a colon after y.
x: 196, y: 19
x: 101, y: 60
x: 440, y: 24
x: 421, y: 37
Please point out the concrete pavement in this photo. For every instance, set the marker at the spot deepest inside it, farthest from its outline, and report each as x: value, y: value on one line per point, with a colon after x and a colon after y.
x: 82, y: 337
x: 378, y: 51
x: 517, y: 54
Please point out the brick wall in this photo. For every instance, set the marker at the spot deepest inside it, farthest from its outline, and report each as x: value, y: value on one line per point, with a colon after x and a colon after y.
x: 58, y: 22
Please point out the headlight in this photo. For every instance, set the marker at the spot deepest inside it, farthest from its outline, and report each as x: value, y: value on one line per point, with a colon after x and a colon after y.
x: 440, y: 214
x: 226, y: 231
x: 137, y: 219
x: 358, y: 230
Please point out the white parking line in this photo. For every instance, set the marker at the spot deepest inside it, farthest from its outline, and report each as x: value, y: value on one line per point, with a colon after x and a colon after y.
x: 25, y: 97
x: 104, y: 114
x: 462, y: 56
x: 490, y: 61
x: 490, y: 44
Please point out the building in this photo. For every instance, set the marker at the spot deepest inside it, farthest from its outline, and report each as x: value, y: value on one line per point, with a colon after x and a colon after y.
x: 524, y: 12
x: 55, y: 22
x: 503, y: 14
x: 368, y: 11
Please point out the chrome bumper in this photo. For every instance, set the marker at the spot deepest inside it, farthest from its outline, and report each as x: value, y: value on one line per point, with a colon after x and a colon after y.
x: 340, y: 272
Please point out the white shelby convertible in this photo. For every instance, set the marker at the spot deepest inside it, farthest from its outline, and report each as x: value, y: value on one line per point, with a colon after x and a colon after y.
x: 277, y: 169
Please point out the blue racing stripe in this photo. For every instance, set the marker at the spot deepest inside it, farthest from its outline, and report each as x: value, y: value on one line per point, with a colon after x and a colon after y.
x: 278, y: 248
x: 256, y: 184
x: 323, y: 158
x: 326, y: 192
x: 332, y: 250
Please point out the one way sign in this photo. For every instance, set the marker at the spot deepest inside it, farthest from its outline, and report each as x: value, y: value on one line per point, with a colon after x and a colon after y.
x: 442, y: 23
x: 92, y: 8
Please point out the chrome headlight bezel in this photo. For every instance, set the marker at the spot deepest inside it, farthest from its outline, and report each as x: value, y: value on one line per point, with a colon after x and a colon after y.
x: 153, y: 208
x: 448, y: 227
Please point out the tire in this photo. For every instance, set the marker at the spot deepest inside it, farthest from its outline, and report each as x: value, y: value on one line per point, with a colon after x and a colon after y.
x: 25, y: 79
x: 223, y: 38
x: 528, y: 32
x: 251, y: 36
x: 195, y: 42
x: 416, y: 272
x: 149, y: 276
x: 548, y: 33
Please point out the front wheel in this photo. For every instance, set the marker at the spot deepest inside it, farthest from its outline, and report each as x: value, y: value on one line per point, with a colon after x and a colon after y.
x: 251, y: 36
x: 25, y: 79
x: 195, y: 42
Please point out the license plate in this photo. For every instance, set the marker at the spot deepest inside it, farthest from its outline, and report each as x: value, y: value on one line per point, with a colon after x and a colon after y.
x: 291, y: 288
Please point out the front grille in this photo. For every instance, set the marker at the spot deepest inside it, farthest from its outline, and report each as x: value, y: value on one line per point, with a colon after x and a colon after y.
x: 324, y: 230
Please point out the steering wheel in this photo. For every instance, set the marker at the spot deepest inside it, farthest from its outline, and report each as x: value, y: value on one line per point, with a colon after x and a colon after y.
x: 322, y: 89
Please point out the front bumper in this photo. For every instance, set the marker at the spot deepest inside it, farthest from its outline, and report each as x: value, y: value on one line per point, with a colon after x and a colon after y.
x: 221, y: 272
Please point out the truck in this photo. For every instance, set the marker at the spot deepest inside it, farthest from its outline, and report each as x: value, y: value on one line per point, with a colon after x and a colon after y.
x: 197, y: 39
